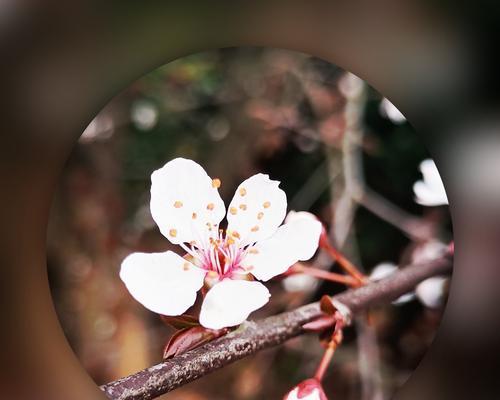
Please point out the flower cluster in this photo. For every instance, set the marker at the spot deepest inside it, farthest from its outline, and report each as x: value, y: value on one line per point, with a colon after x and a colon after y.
x: 187, y: 207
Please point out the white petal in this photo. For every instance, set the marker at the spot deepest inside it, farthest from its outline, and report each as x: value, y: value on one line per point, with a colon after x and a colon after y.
x: 300, y: 283
x: 292, y: 242
x: 294, y: 215
x: 431, y: 291
x: 164, y: 283
x: 389, y: 110
x: 230, y: 302
x: 184, y: 203
x: 257, y: 209
x: 430, y: 191
x: 383, y: 270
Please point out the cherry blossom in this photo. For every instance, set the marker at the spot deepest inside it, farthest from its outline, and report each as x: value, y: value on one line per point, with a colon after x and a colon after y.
x: 186, y: 206
x: 390, y: 111
x: 384, y: 270
x: 431, y: 291
x: 430, y: 191
x: 310, y: 389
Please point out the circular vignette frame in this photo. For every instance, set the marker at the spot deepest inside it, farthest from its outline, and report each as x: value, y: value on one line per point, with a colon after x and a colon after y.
x: 76, y: 58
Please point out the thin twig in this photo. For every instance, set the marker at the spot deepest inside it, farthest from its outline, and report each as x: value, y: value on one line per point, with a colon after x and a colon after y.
x: 252, y: 337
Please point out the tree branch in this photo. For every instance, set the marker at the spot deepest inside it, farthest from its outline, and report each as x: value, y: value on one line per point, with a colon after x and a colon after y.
x: 254, y: 336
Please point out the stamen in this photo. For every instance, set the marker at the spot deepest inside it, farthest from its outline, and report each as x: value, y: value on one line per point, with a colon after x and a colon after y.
x: 255, y: 228
x: 267, y: 204
x: 210, y: 206
x: 243, y: 207
x: 172, y: 232
x: 216, y: 183
x: 194, y: 215
x: 260, y: 215
x: 186, y: 266
x: 178, y: 204
x: 253, y: 250
x: 233, y: 210
x: 242, y: 191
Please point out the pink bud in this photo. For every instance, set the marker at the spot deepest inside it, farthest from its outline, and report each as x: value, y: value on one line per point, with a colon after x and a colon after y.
x: 310, y: 389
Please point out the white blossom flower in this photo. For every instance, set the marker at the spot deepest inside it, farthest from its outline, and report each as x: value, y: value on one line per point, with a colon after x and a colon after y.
x: 430, y: 191
x: 300, y: 283
x: 390, y: 111
x: 430, y: 292
x: 187, y: 208
x: 382, y: 271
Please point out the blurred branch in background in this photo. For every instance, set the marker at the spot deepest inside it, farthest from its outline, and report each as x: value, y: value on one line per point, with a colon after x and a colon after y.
x: 252, y: 337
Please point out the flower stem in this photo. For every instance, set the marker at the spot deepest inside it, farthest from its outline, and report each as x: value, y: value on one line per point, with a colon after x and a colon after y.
x: 344, y: 263
x: 326, y: 275
x: 329, y: 352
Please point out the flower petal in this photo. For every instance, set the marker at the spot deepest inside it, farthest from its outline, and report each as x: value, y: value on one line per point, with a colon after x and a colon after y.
x: 185, y: 202
x: 230, y: 302
x: 430, y: 191
x: 292, y: 242
x: 164, y: 283
x: 257, y: 209
x: 384, y: 270
x: 431, y: 291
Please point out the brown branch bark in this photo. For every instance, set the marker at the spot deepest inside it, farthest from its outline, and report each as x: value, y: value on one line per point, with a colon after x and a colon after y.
x: 254, y: 336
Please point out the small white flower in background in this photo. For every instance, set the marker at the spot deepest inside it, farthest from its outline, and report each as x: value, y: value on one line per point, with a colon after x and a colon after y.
x: 430, y: 191
x: 428, y: 251
x: 389, y: 110
x: 431, y: 291
x: 300, y: 283
x: 144, y: 114
x: 382, y: 271
x: 187, y: 207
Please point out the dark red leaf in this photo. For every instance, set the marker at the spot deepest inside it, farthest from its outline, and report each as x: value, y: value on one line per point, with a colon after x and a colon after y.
x: 180, y: 321
x: 189, y: 338
x: 327, y: 306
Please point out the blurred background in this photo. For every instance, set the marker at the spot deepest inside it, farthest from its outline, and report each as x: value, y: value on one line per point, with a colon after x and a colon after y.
x: 340, y: 150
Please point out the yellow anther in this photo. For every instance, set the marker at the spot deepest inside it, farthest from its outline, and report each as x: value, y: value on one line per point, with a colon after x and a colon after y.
x: 253, y: 250
x: 212, y: 274
x: 235, y: 234
x: 243, y: 191
x: 255, y: 228
x: 216, y: 183
x: 243, y: 207
x: 194, y: 215
x: 267, y: 204
x: 233, y: 210
x: 172, y: 232
x: 230, y: 240
x: 260, y: 215
x: 178, y: 204
x: 185, y: 266
x: 210, y: 206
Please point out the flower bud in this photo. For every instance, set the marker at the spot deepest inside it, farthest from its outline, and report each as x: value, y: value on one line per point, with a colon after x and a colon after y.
x: 310, y: 389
